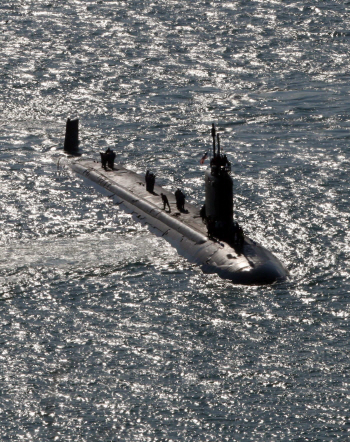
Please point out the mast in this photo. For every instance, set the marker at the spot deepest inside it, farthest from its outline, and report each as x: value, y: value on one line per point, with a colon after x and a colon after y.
x: 213, y: 133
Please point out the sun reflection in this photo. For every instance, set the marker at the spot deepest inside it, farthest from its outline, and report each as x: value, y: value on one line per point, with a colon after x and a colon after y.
x: 105, y: 328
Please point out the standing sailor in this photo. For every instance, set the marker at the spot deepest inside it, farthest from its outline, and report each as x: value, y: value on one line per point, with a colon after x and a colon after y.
x: 150, y: 179
x: 180, y: 200
x: 165, y: 201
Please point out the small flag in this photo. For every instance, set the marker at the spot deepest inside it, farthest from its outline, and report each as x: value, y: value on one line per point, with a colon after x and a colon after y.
x: 204, y: 157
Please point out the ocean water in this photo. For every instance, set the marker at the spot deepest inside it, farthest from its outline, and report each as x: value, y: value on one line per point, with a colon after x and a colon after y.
x: 107, y: 334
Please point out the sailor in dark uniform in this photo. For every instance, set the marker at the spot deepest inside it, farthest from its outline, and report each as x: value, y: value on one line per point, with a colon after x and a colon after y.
x: 180, y: 200
x: 150, y: 179
x: 165, y: 201
x: 107, y: 158
x: 203, y: 214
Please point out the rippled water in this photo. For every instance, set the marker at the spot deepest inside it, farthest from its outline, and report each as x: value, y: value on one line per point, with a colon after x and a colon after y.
x: 106, y: 333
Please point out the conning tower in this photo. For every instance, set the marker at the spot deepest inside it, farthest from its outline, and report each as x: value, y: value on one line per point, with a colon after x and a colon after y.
x: 219, y: 190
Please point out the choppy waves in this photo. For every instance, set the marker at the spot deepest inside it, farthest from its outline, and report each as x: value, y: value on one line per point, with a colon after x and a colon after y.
x: 106, y: 332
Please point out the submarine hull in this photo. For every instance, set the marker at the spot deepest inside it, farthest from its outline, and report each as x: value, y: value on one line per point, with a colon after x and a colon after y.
x: 248, y: 264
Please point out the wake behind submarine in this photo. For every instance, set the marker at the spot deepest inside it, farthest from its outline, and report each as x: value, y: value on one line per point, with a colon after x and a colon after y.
x: 208, y: 237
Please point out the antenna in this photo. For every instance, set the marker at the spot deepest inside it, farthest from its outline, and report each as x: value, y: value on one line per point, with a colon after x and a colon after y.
x: 217, y: 136
x: 213, y: 133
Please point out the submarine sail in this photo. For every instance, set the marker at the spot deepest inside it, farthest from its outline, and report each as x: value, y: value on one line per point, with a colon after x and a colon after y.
x: 219, y: 191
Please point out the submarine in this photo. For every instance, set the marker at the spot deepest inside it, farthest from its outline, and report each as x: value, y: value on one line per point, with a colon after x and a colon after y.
x: 208, y: 236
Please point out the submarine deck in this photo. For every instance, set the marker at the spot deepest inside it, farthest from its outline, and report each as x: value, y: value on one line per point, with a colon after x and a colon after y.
x: 135, y: 183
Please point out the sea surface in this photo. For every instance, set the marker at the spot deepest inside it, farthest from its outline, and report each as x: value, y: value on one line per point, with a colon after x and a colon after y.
x: 107, y: 334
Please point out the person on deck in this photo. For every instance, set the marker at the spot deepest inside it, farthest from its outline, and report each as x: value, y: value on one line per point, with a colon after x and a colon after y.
x: 180, y: 200
x: 150, y: 179
x: 165, y: 201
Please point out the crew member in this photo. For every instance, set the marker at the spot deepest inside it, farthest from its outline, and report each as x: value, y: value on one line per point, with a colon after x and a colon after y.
x: 203, y: 214
x: 165, y: 201
x: 107, y: 158
x: 180, y: 200
x: 150, y: 179
x: 110, y: 158
x: 103, y: 160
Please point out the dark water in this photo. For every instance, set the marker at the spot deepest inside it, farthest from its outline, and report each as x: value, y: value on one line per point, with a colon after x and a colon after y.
x: 106, y: 333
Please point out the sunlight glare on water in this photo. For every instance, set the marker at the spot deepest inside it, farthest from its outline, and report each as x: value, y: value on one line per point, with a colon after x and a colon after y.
x: 109, y: 334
